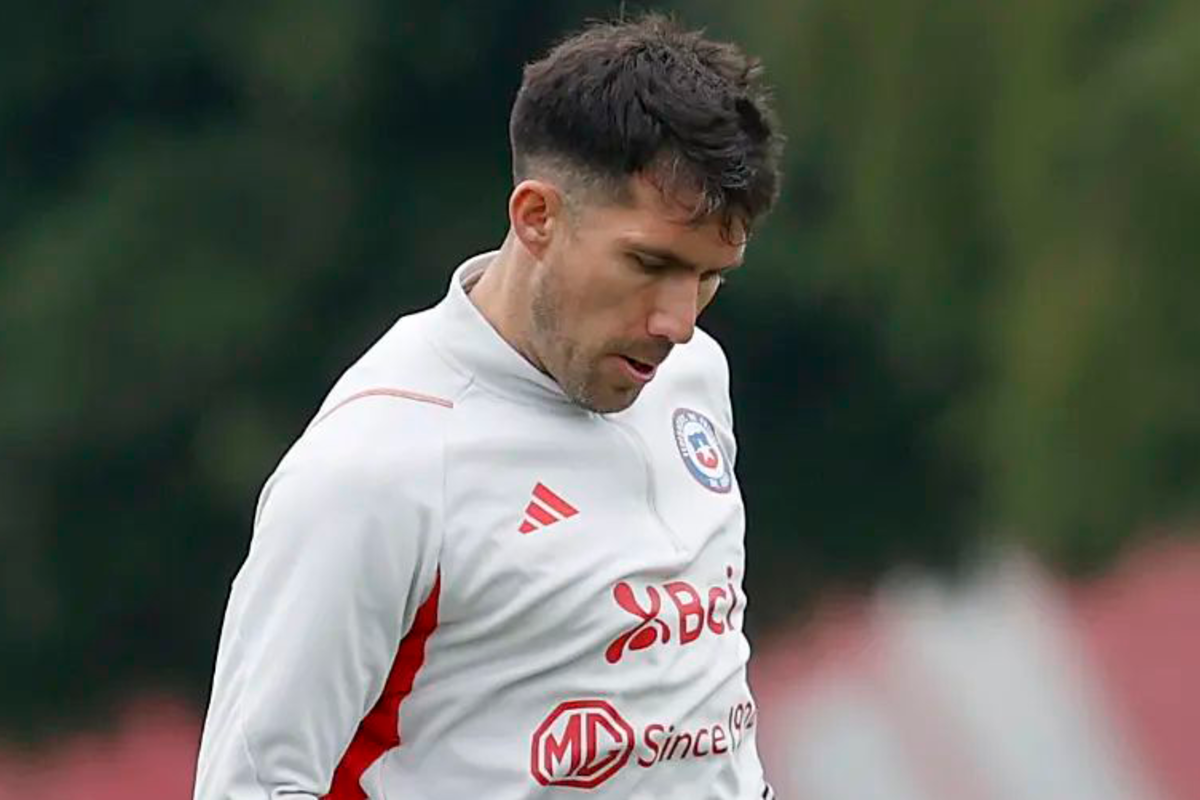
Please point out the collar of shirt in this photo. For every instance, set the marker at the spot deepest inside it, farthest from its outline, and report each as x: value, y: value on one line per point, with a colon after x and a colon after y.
x: 466, y: 337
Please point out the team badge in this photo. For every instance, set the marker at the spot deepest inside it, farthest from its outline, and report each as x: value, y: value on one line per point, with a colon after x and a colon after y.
x: 701, y: 451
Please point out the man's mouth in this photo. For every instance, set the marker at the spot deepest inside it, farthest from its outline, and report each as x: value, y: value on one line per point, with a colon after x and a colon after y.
x: 641, y: 370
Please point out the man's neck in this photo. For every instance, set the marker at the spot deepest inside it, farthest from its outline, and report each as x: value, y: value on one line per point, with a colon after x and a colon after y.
x: 502, y: 294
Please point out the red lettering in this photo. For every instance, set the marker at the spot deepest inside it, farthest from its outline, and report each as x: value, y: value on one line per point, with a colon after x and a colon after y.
x: 687, y: 601
x: 675, y: 745
x: 719, y: 740
x: 696, y: 749
x: 666, y: 744
x: 733, y: 594
x: 662, y: 753
x: 648, y: 740
x: 591, y: 765
x: 715, y: 594
x: 555, y: 749
x: 696, y: 611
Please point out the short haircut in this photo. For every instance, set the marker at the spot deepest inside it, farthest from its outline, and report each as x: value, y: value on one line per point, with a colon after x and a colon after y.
x: 647, y: 97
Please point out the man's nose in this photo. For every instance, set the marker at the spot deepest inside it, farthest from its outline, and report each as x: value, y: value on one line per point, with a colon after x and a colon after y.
x: 676, y: 306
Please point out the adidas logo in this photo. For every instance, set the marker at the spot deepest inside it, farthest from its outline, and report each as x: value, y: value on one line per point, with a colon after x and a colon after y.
x: 545, y: 509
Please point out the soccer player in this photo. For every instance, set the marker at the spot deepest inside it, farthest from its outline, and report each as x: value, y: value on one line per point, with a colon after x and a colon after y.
x: 505, y: 558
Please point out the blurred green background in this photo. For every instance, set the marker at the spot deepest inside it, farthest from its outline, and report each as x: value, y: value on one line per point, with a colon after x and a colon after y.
x: 972, y: 315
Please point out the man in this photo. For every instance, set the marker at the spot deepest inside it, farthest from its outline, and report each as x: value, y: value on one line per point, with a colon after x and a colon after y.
x: 484, y: 570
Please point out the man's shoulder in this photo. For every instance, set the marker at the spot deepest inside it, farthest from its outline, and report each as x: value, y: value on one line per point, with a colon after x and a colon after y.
x: 701, y: 360
x: 403, y: 364
x: 385, y: 417
x: 696, y: 376
x: 709, y: 351
x: 376, y: 452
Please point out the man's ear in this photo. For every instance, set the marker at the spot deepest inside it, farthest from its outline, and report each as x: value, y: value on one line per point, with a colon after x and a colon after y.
x: 536, y: 213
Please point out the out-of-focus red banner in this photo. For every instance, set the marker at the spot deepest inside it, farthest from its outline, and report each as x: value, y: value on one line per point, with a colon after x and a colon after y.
x: 149, y: 752
x: 1006, y: 686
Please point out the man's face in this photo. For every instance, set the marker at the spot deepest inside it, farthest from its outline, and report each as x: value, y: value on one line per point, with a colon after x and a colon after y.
x: 620, y: 288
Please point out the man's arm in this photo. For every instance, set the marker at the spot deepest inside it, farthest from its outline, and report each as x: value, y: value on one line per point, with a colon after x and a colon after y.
x: 344, y: 552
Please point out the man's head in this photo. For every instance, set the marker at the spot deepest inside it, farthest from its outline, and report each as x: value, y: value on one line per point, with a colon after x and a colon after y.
x: 642, y: 155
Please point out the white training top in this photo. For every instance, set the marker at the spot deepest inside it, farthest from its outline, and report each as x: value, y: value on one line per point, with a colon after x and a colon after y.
x: 462, y: 585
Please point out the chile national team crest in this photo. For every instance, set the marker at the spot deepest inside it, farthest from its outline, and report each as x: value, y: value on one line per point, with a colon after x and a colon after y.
x: 701, y: 451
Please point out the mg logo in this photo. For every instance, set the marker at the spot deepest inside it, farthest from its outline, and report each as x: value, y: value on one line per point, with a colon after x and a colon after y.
x: 582, y: 743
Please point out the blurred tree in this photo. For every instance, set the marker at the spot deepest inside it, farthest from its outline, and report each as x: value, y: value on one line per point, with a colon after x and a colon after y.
x: 1006, y: 191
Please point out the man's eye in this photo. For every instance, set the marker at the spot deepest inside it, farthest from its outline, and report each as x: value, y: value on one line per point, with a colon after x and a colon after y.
x: 648, y: 266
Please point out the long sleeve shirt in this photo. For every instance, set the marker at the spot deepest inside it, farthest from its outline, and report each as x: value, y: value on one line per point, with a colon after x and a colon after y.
x: 462, y: 585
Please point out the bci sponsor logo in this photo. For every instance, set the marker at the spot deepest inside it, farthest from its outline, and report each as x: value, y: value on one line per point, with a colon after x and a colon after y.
x: 694, y: 614
x: 583, y: 743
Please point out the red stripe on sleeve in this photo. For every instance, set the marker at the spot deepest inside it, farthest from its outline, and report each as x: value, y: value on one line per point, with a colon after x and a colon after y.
x: 379, y: 730
x: 554, y: 501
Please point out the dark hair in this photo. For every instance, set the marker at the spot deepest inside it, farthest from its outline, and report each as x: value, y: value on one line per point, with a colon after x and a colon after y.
x: 648, y: 97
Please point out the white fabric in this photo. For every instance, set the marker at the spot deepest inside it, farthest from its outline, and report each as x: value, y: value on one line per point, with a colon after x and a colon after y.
x: 383, y: 494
